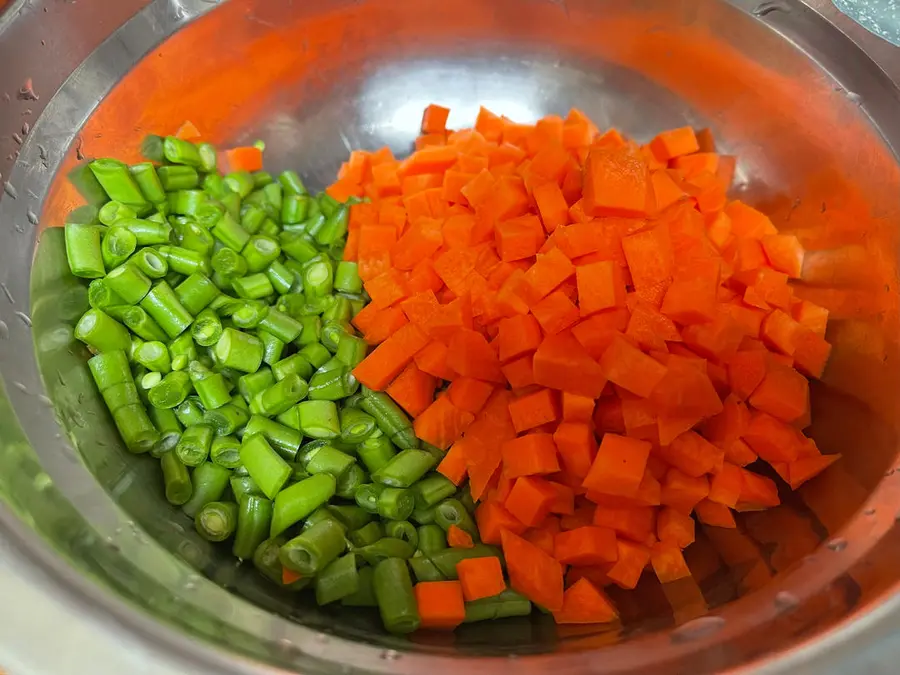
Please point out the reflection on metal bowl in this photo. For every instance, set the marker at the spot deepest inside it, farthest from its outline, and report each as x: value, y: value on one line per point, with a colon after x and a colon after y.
x: 812, y: 119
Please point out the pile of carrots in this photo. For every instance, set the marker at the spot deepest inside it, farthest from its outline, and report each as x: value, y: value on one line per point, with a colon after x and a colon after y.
x: 600, y: 340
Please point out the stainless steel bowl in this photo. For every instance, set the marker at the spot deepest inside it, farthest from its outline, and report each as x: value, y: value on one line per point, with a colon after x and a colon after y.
x: 785, y: 85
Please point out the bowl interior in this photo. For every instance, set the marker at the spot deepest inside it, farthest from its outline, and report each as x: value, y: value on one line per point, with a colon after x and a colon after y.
x: 317, y: 79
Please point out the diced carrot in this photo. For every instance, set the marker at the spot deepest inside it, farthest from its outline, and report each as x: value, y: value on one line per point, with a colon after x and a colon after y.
x: 811, y: 352
x: 636, y: 523
x: 715, y: 514
x: 674, y: 143
x: 480, y: 577
x: 530, y: 500
x: 650, y: 329
x: 518, y: 335
x: 387, y: 288
x: 616, y: 183
x: 469, y: 394
x: 432, y: 359
x: 747, y: 222
x: 459, y: 538
x: 452, y: 316
x: 470, y: 354
x: 188, y: 132
x: 619, y: 465
x: 519, y: 372
x: 248, y: 158
x: 783, y: 393
x: 413, y: 390
x: 650, y: 256
x: 289, y: 577
x: 631, y: 369
x: 746, y: 370
x: 682, y: 492
x: 424, y: 278
x: 420, y: 241
x: 785, y: 253
x: 442, y: 423
x: 440, y: 604
x: 532, y: 572
x: 529, y: 455
x: 725, y: 486
x: 547, y: 273
x: 810, y: 315
x: 577, y: 447
x: 666, y: 191
x: 691, y: 298
x: 453, y: 465
x: 555, y: 313
x: 584, y: 604
x: 668, y: 562
x: 552, y: 206
x: 534, y: 409
x: 492, y: 518
x: 577, y: 408
x: 803, y: 469
x: 772, y: 439
x: 434, y: 119
x: 561, y: 363
x: 692, y: 454
x: 390, y: 357
x: 600, y: 286
x: 564, y: 501
x: 757, y: 492
x: 589, y: 545
x: 675, y: 527
x: 632, y: 559
x: 519, y: 238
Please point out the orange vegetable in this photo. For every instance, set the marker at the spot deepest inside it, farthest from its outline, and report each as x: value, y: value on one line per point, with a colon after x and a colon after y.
x: 188, y: 132
x: 532, y: 572
x: 442, y: 423
x: 683, y: 492
x: 555, y: 313
x: 534, y: 409
x: 247, y: 158
x: 674, y: 143
x: 440, y: 603
x: 432, y: 359
x: 668, y: 562
x: 675, y: 527
x: 561, y: 363
x: 584, y: 604
x: 551, y: 205
x: 434, y: 119
x: 588, y: 545
x: 711, y: 513
x: 549, y: 271
x: 518, y: 335
x: 492, y: 518
x: 530, y: 499
x: 480, y: 577
x: 453, y: 465
x: 619, y: 466
x: 631, y: 560
x: 529, y: 455
x: 289, y: 576
x: 692, y: 454
x: 459, y: 538
x: 636, y: 523
x: 413, y: 389
x: 520, y: 372
x: 616, y: 183
x: 470, y: 354
x: 390, y: 357
x: 625, y: 365
x: 600, y: 286
x: 576, y: 446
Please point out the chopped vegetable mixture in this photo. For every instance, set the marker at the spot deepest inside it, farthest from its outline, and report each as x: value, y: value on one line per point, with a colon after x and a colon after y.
x: 570, y: 346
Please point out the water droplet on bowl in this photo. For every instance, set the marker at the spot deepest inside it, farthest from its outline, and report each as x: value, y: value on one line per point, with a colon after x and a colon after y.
x: 6, y: 292
x: 766, y: 8
x: 698, y: 629
x: 853, y: 97
x: 21, y: 387
x: 786, y: 601
x: 837, y: 544
x: 45, y: 400
x: 24, y: 318
x: 869, y: 512
x: 4, y: 331
x: 11, y: 191
x: 32, y: 217
x: 321, y: 638
x: 390, y: 655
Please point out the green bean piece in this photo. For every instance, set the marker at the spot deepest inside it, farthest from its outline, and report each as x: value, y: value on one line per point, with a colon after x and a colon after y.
x: 335, y: 227
x: 351, y: 350
x: 178, y: 151
x: 338, y: 580
x: 285, y: 440
x: 189, y: 411
x: 252, y: 383
x: 193, y: 446
x: 394, y: 593
x: 356, y: 425
x: 242, y: 486
x: 129, y: 282
x: 367, y: 534
x: 279, y: 397
x: 424, y: 516
x: 211, y: 387
x: 339, y: 311
x: 452, y: 512
x: 190, y: 262
x: 332, y: 384
x: 280, y: 276
x: 432, y: 538
x: 169, y: 428
x: 320, y: 514
x: 395, y: 503
x: 403, y: 530
x: 135, y: 428
x: 292, y: 184
x: 313, y: 549
x: 326, y: 459
x: 228, y: 231
x: 153, y: 355
x: 432, y: 489
x: 265, y: 466
x: 225, y: 451
x: 503, y: 606
x: 121, y: 395
x: 117, y: 182
x: 101, y: 296
x: 260, y: 251
x: 217, y: 521
x: 367, y: 495
x: 209, y: 482
x: 240, y: 182
x: 101, y: 332
x: 346, y: 278
x: 405, y: 468
x: 117, y: 246
x: 147, y: 232
x: 254, y: 520
x: 281, y: 325
x: 227, y: 419
x: 196, y: 292
x: 253, y: 286
x: 109, y: 369
x: 249, y: 314
x: 186, y: 202
x: 239, y: 350
x: 140, y: 323
x: 267, y: 562
x: 390, y: 418
x: 163, y: 306
x: 176, y: 478
x: 319, y: 419
x: 292, y: 365
x: 350, y: 480
x: 424, y: 569
x: 318, y: 277
x: 376, y: 451
x: 273, y: 347
x: 182, y: 350
x: 172, y: 390
x: 316, y: 354
x: 297, y: 247
x: 178, y: 177
x: 148, y: 181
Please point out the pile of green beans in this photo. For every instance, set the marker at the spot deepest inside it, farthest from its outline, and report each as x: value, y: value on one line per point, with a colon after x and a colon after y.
x: 220, y: 327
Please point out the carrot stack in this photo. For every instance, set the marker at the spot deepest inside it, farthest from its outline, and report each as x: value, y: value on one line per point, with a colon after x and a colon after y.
x: 604, y: 345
